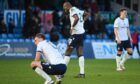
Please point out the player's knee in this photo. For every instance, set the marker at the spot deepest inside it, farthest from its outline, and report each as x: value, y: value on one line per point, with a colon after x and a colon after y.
x: 34, y: 67
x: 67, y: 53
x: 129, y: 53
x: 119, y: 54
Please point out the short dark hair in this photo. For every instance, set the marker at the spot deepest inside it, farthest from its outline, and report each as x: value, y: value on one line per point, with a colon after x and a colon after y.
x: 40, y: 35
x: 122, y: 9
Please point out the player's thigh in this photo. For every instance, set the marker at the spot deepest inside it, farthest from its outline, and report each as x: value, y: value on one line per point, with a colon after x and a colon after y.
x: 69, y: 51
x: 47, y: 68
x: 79, y: 51
x: 72, y: 41
x: 80, y: 41
x: 129, y: 50
x: 128, y: 46
x: 119, y: 48
x: 58, y: 69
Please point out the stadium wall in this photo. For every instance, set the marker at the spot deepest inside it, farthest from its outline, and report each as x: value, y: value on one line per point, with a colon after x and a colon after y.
x: 92, y: 49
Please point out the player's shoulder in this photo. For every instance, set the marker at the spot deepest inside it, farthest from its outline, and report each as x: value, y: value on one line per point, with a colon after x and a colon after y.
x: 126, y: 19
x: 117, y: 19
x: 73, y: 9
x: 42, y: 43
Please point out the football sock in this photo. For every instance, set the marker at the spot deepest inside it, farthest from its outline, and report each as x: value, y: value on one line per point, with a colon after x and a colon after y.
x: 43, y: 74
x: 67, y: 59
x: 58, y: 78
x: 118, y: 59
x: 81, y: 64
x: 125, y: 58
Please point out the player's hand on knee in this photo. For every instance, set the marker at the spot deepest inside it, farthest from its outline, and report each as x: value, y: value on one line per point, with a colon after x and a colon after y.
x: 33, y: 64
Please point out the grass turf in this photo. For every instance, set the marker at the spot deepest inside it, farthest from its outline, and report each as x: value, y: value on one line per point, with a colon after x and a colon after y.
x: 18, y: 71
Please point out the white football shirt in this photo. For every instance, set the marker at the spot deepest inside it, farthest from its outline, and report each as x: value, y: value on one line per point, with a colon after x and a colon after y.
x: 79, y: 27
x: 50, y: 53
x: 122, y: 25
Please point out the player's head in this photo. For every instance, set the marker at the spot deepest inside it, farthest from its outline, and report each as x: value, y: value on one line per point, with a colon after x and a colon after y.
x: 67, y: 6
x: 123, y: 13
x: 39, y: 37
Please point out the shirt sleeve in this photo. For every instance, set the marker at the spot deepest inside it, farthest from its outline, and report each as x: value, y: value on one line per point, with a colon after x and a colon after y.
x: 116, y: 24
x: 38, y: 48
x: 73, y: 11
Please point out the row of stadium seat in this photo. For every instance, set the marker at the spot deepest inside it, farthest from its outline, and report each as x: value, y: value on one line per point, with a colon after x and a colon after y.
x: 10, y: 35
x: 111, y: 27
x: 16, y: 40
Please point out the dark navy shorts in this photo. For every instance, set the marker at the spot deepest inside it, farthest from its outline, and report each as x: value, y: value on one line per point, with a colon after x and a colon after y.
x: 76, y: 40
x: 58, y: 69
x: 124, y: 45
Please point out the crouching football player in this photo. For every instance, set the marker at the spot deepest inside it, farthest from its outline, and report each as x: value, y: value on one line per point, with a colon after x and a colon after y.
x: 54, y: 63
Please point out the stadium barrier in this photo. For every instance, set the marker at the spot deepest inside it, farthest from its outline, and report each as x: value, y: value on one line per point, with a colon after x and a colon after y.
x: 92, y: 49
x: 107, y: 50
x: 17, y: 49
x: 27, y: 49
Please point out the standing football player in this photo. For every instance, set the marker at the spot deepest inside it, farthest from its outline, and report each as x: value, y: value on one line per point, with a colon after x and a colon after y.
x: 123, y: 39
x: 54, y: 63
x: 77, y: 18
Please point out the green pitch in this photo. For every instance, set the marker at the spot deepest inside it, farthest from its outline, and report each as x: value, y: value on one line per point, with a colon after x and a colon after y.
x: 97, y: 72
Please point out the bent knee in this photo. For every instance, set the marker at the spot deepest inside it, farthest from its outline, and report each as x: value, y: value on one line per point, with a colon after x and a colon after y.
x: 130, y: 51
x: 33, y: 64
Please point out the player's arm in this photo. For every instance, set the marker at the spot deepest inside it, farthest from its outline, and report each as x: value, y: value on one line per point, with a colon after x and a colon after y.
x: 38, y: 56
x: 129, y: 35
x: 117, y: 35
x: 86, y: 15
x: 76, y: 19
x: 36, y: 62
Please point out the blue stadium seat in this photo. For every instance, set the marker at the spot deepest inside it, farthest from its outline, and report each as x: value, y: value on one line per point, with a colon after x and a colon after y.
x: 21, y: 40
x: 15, y: 40
x: 93, y: 36
x: 10, y: 35
x: 47, y: 36
x: 132, y: 28
x: 106, y: 37
x: 88, y: 36
x: 87, y: 41
x: 109, y: 26
x: 17, y: 31
x: 8, y: 40
x: 4, y: 35
x: 28, y: 40
x: 17, y: 35
x: 2, y: 40
x: 138, y: 27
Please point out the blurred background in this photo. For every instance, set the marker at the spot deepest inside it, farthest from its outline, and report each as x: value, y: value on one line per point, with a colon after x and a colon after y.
x: 20, y: 20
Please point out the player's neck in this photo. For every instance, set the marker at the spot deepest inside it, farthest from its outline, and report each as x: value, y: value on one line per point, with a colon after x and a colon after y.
x: 70, y: 7
x: 121, y: 17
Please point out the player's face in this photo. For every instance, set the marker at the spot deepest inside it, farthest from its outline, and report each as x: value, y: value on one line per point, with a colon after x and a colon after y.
x: 65, y: 7
x: 124, y: 13
x: 36, y: 40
